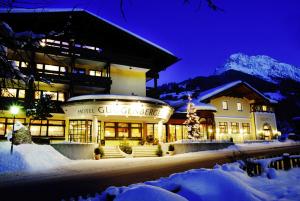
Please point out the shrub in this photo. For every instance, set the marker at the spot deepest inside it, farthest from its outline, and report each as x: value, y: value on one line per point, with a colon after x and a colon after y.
x: 159, y: 151
x: 150, y: 138
x: 125, y: 147
x: 155, y: 141
x: 22, y: 136
x: 171, y: 147
x: 99, y: 151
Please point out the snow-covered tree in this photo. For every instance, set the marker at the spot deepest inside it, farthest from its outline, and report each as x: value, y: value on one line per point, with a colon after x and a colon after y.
x: 192, y: 121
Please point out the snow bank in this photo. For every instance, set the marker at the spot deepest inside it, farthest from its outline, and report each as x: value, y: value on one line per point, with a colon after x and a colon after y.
x: 226, y: 182
x: 29, y: 157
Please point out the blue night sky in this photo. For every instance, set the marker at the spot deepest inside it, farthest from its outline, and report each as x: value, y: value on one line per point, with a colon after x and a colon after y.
x: 201, y: 37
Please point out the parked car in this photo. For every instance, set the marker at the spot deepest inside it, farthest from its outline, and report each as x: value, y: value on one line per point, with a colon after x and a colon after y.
x: 290, y: 136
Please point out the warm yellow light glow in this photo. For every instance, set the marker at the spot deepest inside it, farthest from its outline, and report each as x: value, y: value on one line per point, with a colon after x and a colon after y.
x: 14, y: 109
x: 210, y: 130
x: 43, y: 43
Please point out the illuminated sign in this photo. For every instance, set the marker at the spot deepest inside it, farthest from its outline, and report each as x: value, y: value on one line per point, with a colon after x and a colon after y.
x: 118, y: 108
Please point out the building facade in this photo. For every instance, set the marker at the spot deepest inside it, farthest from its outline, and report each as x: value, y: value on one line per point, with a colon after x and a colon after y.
x: 96, y: 74
x: 234, y: 111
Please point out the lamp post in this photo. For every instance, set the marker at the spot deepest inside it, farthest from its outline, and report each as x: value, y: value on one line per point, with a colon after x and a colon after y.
x: 14, y: 110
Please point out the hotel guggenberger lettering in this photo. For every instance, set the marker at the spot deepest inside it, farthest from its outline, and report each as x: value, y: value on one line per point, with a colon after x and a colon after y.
x: 98, y: 73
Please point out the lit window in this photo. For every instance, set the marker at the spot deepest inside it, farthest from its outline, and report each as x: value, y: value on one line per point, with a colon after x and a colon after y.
x: 264, y: 108
x: 79, y: 71
x: 234, y: 127
x: 246, y: 128
x: 61, y: 96
x: 123, y: 130
x: 225, y: 105
x: 16, y: 63
x: 21, y: 93
x: 51, y: 68
x: 136, y: 130
x: 37, y: 94
x: 95, y: 73
x: 24, y: 64
x: 52, y: 94
x: 239, y: 106
x: 9, y: 92
x: 62, y: 69
x: 223, y: 127
x: 40, y: 66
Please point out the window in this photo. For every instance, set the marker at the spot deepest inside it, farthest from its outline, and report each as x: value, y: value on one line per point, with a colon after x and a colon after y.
x: 51, y: 68
x: 136, y: 130
x: 223, y: 127
x: 24, y: 64
x: 79, y: 71
x: 52, y: 94
x: 61, y: 96
x: 123, y: 130
x: 264, y: 108
x: 239, y: 106
x: 40, y: 66
x: 80, y: 131
x: 95, y: 73
x: 6, y: 124
x: 225, y: 105
x: 109, y: 130
x: 234, y: 127
x: 9, y: 92
x: 246, y: 128
x: 113, y: 130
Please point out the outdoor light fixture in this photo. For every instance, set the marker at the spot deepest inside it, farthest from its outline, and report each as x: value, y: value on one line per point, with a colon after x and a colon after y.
x: 14, y: 109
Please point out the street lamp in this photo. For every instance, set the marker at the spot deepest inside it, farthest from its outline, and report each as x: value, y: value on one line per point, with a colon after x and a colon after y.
x: 14, y: 109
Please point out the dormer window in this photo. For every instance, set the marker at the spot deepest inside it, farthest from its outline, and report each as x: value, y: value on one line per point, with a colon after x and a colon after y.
x: 225, y: 105
x: 239, y: 106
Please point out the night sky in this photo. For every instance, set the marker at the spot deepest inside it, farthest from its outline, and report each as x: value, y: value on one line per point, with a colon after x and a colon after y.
x: 201, y: 37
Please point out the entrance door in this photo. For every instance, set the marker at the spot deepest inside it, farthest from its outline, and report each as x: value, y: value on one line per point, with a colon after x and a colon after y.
x: 267, y: 131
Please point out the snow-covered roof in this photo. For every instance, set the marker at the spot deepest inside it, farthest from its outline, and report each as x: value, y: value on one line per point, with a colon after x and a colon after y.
x: 211, y: 92
x: 43, y: 10
x: 115, y: 97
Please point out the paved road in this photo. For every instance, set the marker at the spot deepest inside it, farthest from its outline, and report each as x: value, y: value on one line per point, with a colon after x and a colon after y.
x: 88, y: 178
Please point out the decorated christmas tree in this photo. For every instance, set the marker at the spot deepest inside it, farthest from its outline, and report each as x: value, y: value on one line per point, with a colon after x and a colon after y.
x: 192, y: 121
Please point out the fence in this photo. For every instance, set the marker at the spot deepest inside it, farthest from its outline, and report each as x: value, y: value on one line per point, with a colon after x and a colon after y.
x: 284, y: 162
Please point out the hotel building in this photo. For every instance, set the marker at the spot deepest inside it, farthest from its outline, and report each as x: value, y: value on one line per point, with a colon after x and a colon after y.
x: 96, y: 73
x: 234, y: 111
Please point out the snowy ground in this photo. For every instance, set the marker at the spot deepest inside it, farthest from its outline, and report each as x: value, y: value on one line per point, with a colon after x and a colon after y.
x: 226, y: 182
x: 40, y: 162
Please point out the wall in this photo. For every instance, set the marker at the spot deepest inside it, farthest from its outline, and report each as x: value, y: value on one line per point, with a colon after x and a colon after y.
x: 76, y: 151
x: 128, y: 81
x: 233, y: 115
x: 194, y: 147
x: 262, y: 118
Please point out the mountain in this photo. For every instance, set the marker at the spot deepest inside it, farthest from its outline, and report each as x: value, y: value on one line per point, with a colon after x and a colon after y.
x: 276, y: 80
x: 261, y: 66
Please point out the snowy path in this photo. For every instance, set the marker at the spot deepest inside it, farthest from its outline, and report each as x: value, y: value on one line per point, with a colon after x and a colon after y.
x: 89, y: 176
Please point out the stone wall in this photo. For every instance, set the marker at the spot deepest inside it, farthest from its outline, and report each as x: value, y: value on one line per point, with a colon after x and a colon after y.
x: 194, y: 147
x: 76, y: 151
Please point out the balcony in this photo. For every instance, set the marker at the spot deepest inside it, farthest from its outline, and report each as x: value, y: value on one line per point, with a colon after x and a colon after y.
x: 74, y: 78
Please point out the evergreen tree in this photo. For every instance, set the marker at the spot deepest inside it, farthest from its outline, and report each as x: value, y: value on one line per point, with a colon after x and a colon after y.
x: 192, y: 121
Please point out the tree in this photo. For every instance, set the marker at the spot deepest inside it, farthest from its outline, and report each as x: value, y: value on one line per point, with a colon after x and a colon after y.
x: 192, y: 121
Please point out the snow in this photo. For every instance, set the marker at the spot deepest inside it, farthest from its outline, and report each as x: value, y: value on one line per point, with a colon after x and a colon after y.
x: 275, y: 95
x: 224, y: 182
x: 211, y: 92
x: 29, y: 157
x: 41, y: 10
x: 115, y: 97
x: 261, y: 66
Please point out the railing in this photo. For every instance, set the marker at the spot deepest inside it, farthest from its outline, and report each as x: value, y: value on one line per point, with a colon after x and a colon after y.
x: 284, y: 162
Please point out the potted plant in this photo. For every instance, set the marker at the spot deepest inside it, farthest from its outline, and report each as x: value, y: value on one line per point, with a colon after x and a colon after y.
x: 159, y: 151
x: 171, y: 149
x: 98, y: 153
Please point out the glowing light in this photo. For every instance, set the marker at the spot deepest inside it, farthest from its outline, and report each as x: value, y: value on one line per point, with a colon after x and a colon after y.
x: 43, y: 42
x: 210, y: 130
x: 14, y: 109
